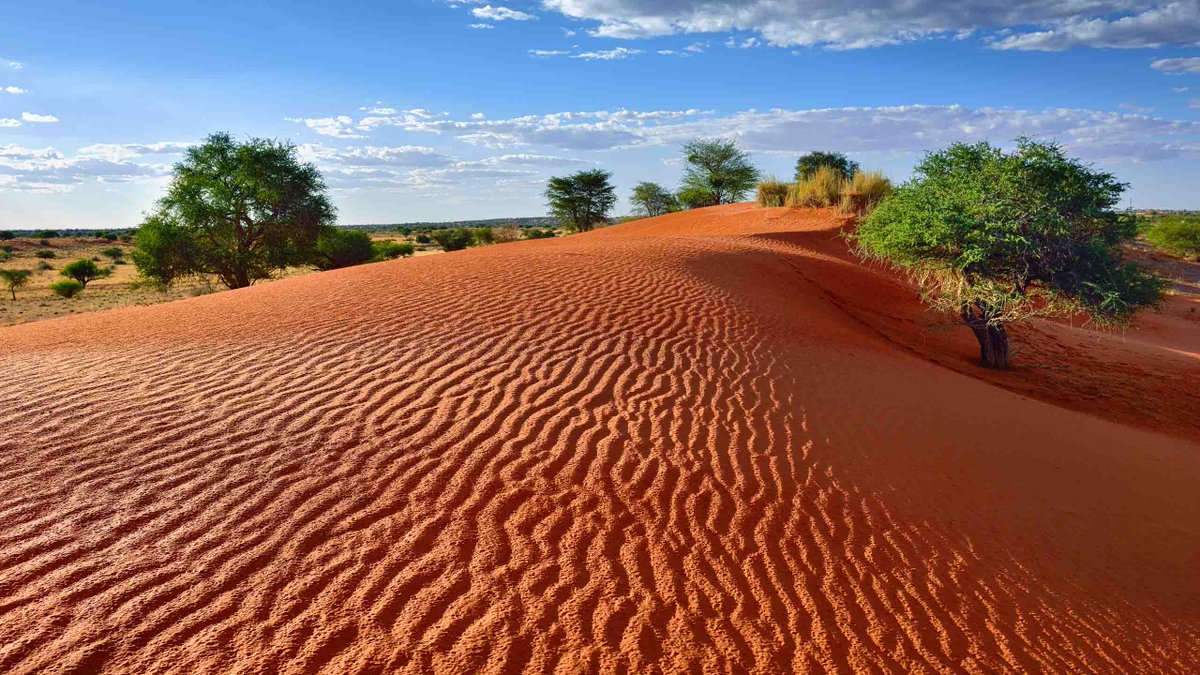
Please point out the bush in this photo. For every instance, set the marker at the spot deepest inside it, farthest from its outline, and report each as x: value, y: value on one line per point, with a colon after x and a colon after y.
x: 862, y: 194
x: 538, y: 233
x: 1177, y: 235
x: 84, y: 271
x: 338, y: 248
x: 67, y: 288
x: 506, y: 234
x: 695, y: 197
x: 5, y: 235
x: 43, y: 266
x: 15, y: 279
x: 43, y: 242
x: 113, y: 252
x: 7, y: 249
x: 423, y: 239
x: 822, y: 188
x: 772, y: 193
x: 719, y: 168
x: 483, y: 236
x: 45, y: 254
x: 390, y: 250
x: 47, y: 234
x: 453, y: 239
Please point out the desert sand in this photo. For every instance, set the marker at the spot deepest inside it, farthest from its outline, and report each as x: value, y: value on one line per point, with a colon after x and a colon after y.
x: 711, y: 441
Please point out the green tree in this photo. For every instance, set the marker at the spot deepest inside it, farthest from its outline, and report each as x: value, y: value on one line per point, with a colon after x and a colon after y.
x: 390, y: 250
x: 807, y: 165
x: 337, y: 247
x: 452, y: 239
x: 999, y: 237
x: 84, y: 271
x: 113, y: 252
x: 15, y: 280
x: 239, y: 211
x: 582, y: 200
x: 718, y: 168
x: 695, y: 197
x: 5, y: 235
x: 1178, y: 235
x: 652, y: 199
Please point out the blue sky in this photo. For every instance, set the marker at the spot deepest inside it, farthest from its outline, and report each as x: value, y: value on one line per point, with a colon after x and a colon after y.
x: 435, y: 110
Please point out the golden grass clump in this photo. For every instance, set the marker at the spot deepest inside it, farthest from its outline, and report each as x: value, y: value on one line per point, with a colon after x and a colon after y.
x: 771, y: 192
x: 863, y: 193
x: 822, y: 188
x: 506, y: 234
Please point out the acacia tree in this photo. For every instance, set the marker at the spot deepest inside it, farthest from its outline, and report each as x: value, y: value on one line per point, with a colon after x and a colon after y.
x: 999, y: 237
x: 717, y: 169
x: 652, y: 199
x: 239, y: 211
x: 15, y: 279
x: 807, y: 165
x: 84, y: 271
x: 581, y: 200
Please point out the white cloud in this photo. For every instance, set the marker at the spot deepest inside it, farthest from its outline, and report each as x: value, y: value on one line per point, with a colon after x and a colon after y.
x: 1181, y: 66
x: 1180, y: 90
x: 480, y: 26
x: 13, y: 65
x: 1194, y: 104
x: 567, y: 32
x: 543, y: 53
x: 615, y: 54
x: 12, y: 90
x: 38, y: 119
x: 118, y: 152
x: 1134, y: 108
x: 48, y: 170
x: 9, y: 123
x: 1033, y: 24
x: 489, y: 13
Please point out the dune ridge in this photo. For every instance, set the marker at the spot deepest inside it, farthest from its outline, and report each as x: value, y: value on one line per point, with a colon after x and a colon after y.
x: 683, y: 444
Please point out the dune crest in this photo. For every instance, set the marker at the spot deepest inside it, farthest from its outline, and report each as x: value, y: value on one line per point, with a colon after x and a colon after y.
x: 690, y: 443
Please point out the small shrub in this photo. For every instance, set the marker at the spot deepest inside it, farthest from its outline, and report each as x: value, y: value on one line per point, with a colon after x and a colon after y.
x: 822, y: 188
x: 423, y: 239
x: 861, y: 195
x: 7, y: 249
x: 404, y: 230
x: 1177, y: 235
x: 696, y: 198
x: 110, y: 236
x: 45, y: 254
x: 67, y: 288
x: 772, y: 193
x: 43, y: 242
x: 43, y: 266
x: 48, y: 234
x: 4, y: 256
x: 539, y: 233
x: 506, y: 234
x: 120, y: 261
x: 338, y: 248
x: 390, y: 250
x: 454, y: 239
x: 125, y: 238
x: 113, y: 252
x: 5, y: 235
x: 84, y: 271
x: 483, y: 236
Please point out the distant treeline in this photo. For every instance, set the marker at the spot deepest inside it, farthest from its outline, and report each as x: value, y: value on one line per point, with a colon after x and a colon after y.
x: 540, y: 221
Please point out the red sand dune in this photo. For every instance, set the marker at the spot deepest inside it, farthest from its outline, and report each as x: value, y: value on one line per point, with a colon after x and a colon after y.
x: 704, y: 442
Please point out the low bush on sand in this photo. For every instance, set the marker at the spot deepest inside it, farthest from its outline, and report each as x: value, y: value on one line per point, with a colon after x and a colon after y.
x: 772, y: 192
x: 338, y: 248
x: 539, y: 233
x: 863, y: 193
x: 390, y: 250
x: 506, y: 234
x: 822, y: 188
x: 67, y: 288
x: 453, y: 239
x: 1176, y: 235
x: 113, y: 252
x: 45, y: 254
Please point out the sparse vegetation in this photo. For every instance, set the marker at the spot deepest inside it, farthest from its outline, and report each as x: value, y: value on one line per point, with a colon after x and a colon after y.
x: 67, y: 288
x: 45, y: 254
x: 652, y: 199
x: 47, y: 234
x: 864, y: 192
x: 482, y: 236
x: 822, y: 188
x: 390, y: 250
x: 113, y: 253
x: 1176, y: 235
x: 506, y: 234
x: 238, y: 211
x: 5, y: 235
x: 771, y: 192
x: 841, y: 165
x: 695, y: 197
x: 453, y: 239
x: 582, y: 200
x: 14, y: 280
x: 337, y: 248
x: 718, y: 172
x: 85, y: 271
x: 997, y: 237
x: 539, y: 233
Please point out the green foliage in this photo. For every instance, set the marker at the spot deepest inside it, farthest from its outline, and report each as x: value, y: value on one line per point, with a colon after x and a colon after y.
x: 822, y: 188
x: 47, y: 234
x: 46, y: 255
x: 43, y: 266
x: 404, y: 230
x: 1000, y: 237
x: 423, y: 239
x: 239, y: 211
x: 390, y: 250
x: 652, y: 199
x: 772, y: 193
x: 113, y: 252
x: 67, y: 288
x: 538, y: 233
x: 482, y: 236
x: 582, y: 200
x: 109, y: 236
x: 14, y: 280
x: 85, y: 271
x: 337, y: 247
x: 696, y: 197
x: 718, y: 168
x: 843, y: 166
x: 453, y: 239
x: 862, y: 194
x: 5, y: 235
x: 1177, y: 235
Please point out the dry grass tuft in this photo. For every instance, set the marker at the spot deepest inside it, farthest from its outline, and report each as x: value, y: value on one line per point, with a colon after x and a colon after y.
x: 822, y: 188
x: 772, y: 193
x: 861, y: 195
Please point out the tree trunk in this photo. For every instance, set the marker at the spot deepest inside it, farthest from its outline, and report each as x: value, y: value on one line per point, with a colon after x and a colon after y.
x: 993, y: 340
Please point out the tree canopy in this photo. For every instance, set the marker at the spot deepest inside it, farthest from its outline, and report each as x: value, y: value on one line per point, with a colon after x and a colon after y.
x: 15, y: 280
x: 807, y: 165
x: 239, y: 211
x: 652, y: 199
x: 337, y: 247
x: 84, y: 271
x: 582, y: 200
x: 998, y: 237
x: 718, y: 172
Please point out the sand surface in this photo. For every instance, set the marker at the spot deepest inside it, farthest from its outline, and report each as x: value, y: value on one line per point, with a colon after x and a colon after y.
x: 705, y: 442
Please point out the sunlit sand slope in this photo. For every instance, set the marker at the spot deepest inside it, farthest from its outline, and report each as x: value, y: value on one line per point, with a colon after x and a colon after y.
x: 680, y: 444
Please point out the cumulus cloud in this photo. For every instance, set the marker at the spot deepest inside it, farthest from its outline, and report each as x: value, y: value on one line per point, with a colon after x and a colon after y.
x: 489, y: 13
x: 1182, y: 66
x: 12, y: 90
x: 1032, y: 24
x: 9, y: 123
x: 608, y: 54
x: 480, y: 26
x: 11, y: 65
x: 49, y: 170
x: 544, y: 53
x: 38, y: 119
